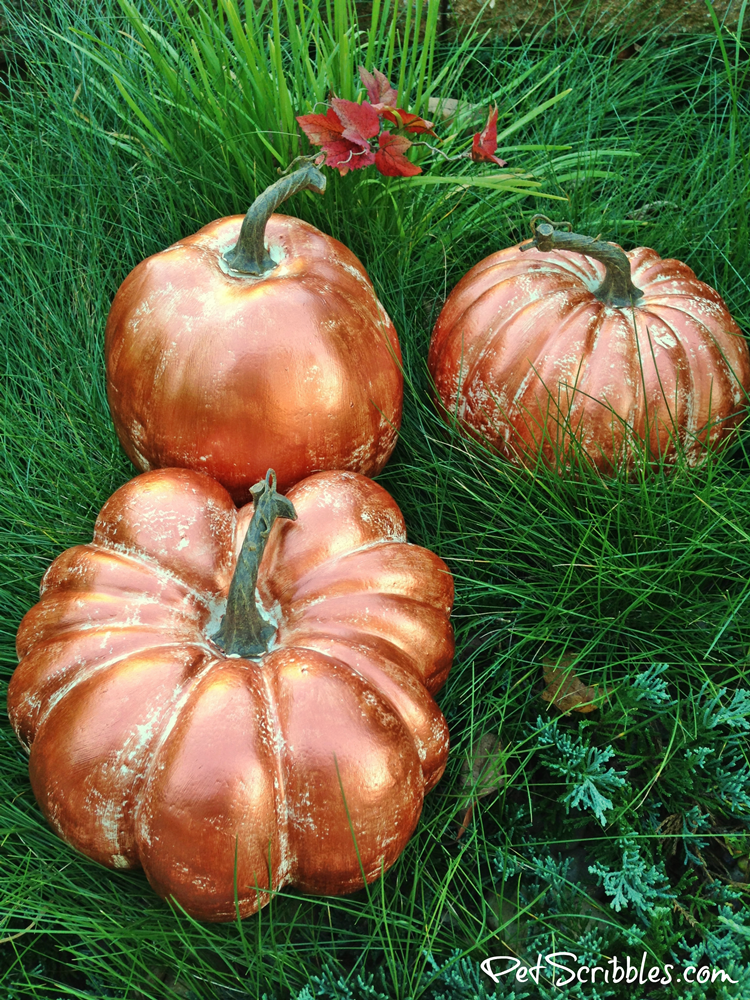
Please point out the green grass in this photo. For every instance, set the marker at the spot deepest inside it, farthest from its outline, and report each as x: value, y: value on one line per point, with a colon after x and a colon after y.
x: 641, y: 585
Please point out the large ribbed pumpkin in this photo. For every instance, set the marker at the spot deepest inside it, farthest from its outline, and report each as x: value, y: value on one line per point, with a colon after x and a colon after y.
x: 562, y: 356
x: 289, y: 730
x: 254, y: 344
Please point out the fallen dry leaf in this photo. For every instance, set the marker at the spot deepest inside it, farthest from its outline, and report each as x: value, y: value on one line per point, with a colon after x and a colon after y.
x: 565, y: 689
x: 446, y: 107
x: 483, y: 772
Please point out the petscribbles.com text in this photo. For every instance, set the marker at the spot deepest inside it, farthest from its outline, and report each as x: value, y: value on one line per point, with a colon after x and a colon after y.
x: 613, y: 970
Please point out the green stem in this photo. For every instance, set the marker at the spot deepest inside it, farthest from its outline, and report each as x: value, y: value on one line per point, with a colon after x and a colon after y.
x: 242, y: 630
x: 617, y: 289
x: 249, y: 254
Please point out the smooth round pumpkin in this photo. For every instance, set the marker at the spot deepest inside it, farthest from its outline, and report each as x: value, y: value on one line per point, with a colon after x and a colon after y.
x: 567, y: 348
x: 305, y: 764
x: 254, y: 343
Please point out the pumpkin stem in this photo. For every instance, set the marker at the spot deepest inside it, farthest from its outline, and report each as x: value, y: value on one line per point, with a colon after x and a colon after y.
x: 249, y: 254
x: 242, y: 630
x: 617, y: 289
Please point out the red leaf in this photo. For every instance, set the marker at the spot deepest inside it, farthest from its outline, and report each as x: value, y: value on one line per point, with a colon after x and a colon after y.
x: 485, y: 142
x: 378, y: 88
x: 346, y: 156
x: 321, y: 129
x: 406, y: 120
x: 358, y: 119
x: 345, y: 148
x: 390, y: 159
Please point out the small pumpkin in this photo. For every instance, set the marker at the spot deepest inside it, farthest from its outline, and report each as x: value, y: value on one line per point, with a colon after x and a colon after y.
x: 620, y: 351
x: 233, y: 703
x: 256, y: 342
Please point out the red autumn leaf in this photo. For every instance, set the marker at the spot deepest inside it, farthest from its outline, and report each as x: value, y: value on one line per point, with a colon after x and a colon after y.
x: 378, y: 88
x: 484, y: 144
x: 390, y: 159
x: 321, y: 129
x: 345, y: 148
x: 406, y: 120
x: 346, y: 156
x: 359, y: 120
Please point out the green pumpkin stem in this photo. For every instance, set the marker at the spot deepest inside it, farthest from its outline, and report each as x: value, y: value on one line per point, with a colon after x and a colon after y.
x: 617, y: 289
x: 243, y: 632
x: 249, y: 254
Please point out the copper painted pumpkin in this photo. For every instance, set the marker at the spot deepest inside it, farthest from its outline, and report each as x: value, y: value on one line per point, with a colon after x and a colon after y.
x: 185, y: 707
x: 585, y: 351
x: 252, y: 344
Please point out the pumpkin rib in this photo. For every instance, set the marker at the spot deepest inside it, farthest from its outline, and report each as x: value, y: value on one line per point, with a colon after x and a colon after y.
x: 515, y: 407
x: 89, y: 826
x: 446, y: 324
x: 650, y: 381
x: 656, y: 291
x: 82, y: 674
x: 661, y: 272
x: 207, y: 601
x: 538, y: 371
x: 321, y: 580
x: 577, y: 269
x: 729, y: 386
x: 709, y: 338
x: 380, y: 624
x: 670, y: 351
x: 511, y: 315
x: 152, y: 563
x: 352, y: 645
x: 188, y: 859
x: 390, y: 651
x: 178, y: 706
x: 49, y: 619
x: 103, y: 598
x: 710, y: 335
x: 408, y: 701
x: 370, y: 519
x: 285, y: 868
x: 86, y: 672
x: 156, y: 516
x: 458, y: 374
x: 643, y: 258
x: 93, y: 553
x: 360, y: 787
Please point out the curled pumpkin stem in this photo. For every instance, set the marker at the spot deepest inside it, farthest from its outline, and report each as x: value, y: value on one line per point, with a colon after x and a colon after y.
x: 243, y: 631
x: 617, y: 289
x: 249, y: 254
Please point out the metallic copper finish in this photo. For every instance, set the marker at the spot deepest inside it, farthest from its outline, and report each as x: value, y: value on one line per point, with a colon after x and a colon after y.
x: 297, y: 370
x: 525, y: 356
x: 149, y: 746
